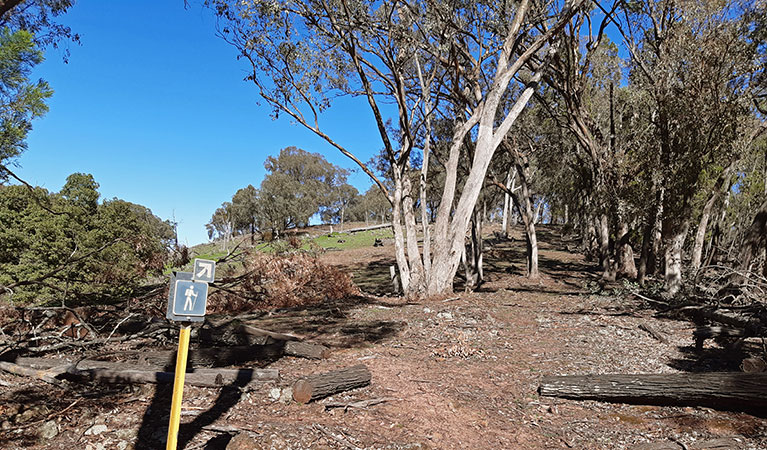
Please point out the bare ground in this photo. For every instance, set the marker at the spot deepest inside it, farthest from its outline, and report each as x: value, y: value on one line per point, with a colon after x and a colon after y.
x: 456, y: 373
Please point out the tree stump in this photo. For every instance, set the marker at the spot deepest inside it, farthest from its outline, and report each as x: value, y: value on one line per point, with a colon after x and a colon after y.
x: 322, y: 385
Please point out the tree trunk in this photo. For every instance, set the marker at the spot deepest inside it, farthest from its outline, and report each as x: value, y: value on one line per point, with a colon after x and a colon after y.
x: 608, y: 272
x: 322, y: 385
x: 626, y: 266
x: 645, y: 255
x: 674, y: 234
x: 755, y: 239
x: 506, y: 207
x: 727, y: 390
x: 700, y: 235
x: 654, y: 262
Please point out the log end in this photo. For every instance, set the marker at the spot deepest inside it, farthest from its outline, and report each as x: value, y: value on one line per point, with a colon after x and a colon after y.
x: 302, y: 391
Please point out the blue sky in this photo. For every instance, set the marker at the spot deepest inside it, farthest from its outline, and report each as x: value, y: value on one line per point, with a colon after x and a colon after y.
x: 154, y: 105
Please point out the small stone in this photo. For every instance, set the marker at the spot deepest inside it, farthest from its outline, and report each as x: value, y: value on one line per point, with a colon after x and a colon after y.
x: 445, y: 315
x: 96, y: 430
x: 242, y: 442
x: 287, y: 395
x: 274, y: 393
x: 125, y: 434
x: 48, y: 430
x: 122, y: 445
x: 427, y: 310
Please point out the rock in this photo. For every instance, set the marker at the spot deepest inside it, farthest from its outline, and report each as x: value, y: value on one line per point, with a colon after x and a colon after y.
x: 287, y: 395
x: 122, y: 445
x: 242, y: 441
x: 96, y: 430
x: 48, y: 430
x: 445, y: 315
x: 125, y: 434
x: 427, y: 310
x: 274, y: 394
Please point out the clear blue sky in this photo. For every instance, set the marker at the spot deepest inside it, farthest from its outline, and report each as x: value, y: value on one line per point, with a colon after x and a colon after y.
x: 154, y: 105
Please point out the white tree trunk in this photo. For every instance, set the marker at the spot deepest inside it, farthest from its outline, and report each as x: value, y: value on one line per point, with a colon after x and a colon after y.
x: 673, y: 243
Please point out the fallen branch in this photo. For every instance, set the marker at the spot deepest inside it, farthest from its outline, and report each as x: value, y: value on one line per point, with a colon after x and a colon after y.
x: 362, y: 404
x: 652, y: 332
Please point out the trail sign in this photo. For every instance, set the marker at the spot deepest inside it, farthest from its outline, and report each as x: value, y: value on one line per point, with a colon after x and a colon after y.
x: 190, y: 298
x: 187, y: 299
x: 204, y: 270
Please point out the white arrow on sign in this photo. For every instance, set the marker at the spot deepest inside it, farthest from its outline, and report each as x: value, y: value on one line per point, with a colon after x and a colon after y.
x: 206, y: 270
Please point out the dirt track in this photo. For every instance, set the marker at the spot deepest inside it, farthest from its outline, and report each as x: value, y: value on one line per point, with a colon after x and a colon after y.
x: 457, y: 373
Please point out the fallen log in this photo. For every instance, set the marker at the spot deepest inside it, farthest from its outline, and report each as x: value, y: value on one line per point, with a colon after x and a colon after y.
x: 227, y: 356
x: 306, y: 350
x: 198, y: 377
x: 254, y: 331
x: 322, y: 385
x: 722, y: 390
x: 44, y: 375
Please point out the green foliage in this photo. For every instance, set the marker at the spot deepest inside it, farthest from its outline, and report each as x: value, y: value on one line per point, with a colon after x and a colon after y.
x: 77, y: 248
x: 21, y: 100
x: 298, y: 184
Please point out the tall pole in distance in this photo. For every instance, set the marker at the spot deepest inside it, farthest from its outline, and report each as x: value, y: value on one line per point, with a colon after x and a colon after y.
x: 178, y: 387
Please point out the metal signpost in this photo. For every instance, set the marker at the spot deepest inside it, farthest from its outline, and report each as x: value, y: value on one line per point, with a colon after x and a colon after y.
x: 187, y: 301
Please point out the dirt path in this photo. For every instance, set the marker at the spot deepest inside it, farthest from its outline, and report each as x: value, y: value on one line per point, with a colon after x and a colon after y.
x: 457, y: 373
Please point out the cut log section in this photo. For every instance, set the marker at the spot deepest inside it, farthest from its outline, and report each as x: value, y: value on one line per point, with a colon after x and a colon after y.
x: 722, y: 390
x: 322, y: 385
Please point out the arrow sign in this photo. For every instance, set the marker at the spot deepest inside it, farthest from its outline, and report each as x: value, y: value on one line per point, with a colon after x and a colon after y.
x: 204, y: 270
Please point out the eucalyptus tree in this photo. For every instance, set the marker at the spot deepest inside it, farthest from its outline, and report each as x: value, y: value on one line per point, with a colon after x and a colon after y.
x: 451, y: 60
x: 245, y: 210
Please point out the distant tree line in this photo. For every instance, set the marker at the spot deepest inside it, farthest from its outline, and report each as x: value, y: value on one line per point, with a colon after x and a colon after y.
x: 298, y: 185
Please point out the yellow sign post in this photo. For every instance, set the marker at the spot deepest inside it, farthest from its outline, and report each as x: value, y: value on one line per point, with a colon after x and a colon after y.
x: 178, y: 387
x: 187, y: 302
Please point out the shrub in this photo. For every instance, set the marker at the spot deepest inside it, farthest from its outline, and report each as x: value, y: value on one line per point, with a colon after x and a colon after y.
x: 276, y: 281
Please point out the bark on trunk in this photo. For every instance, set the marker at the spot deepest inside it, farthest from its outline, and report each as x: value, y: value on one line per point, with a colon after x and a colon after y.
x: 674, y: 236
x: 755, y: 239
x: 742, y: 391
x: 645, y: 255
x: 626, y: 266
x: 608, y: 272
x: 700, y: 235
x: 322, y: 385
